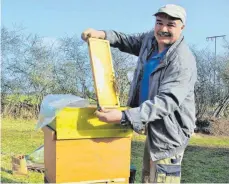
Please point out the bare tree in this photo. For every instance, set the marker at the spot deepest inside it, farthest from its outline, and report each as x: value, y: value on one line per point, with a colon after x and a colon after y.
x: 74, y: 69
x: 224, y: 102
x: 208, y: 94
x: 123, y: 64
x: 26, y: 66
x: 35, y: 69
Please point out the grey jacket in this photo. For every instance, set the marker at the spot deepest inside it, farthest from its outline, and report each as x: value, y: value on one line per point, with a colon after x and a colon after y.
x: 168, y: 118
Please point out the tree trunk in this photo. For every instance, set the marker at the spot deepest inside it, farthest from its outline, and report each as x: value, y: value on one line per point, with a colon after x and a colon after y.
x: 221, y: 107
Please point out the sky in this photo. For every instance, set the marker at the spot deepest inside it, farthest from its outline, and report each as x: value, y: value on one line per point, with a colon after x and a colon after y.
x: 53, y: 19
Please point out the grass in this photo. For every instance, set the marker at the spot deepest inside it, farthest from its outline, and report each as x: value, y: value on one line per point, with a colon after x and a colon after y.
x: 18, y: 137
x: 206, y: 159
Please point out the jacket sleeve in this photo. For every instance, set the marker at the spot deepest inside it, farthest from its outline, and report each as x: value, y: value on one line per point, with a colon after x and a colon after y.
x: 178, y: 82
x: 126, y: 43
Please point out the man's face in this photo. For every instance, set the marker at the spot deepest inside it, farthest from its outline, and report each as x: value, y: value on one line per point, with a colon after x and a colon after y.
x: 167, y: 30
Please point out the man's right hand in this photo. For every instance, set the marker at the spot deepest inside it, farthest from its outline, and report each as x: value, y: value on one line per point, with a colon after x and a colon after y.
x: 92, y: 33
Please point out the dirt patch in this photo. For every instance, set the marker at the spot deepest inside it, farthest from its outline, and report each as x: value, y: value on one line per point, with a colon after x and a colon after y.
x: 220, y: 127
x: 216, y: 127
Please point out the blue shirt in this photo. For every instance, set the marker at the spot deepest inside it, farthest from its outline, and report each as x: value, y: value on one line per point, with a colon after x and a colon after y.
x: 149, y: 67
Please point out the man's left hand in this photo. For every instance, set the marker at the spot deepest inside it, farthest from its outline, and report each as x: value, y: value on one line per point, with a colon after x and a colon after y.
x: 109, y: 115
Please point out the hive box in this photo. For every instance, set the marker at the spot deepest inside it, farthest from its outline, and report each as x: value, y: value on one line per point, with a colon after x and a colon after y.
x: 79, y: 147
x: 86, y: 160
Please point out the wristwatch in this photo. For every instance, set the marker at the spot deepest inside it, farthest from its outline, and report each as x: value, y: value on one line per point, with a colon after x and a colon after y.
x: 124, y: 120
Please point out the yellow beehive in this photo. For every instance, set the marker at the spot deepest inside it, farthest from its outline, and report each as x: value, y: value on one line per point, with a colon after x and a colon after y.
x: 79, y: 147
x: 86, y: 160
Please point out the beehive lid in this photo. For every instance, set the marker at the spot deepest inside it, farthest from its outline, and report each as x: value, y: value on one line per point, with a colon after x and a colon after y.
x: 103, y: 73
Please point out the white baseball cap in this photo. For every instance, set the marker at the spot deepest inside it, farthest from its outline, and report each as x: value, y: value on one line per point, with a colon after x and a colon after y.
x: 173, y: 11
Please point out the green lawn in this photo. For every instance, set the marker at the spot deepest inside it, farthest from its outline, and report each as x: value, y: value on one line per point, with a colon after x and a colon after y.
x: 206, y: 159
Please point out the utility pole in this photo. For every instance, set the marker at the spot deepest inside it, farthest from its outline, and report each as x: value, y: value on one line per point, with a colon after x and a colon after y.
x: 214, y: 74
x: 215, y: 37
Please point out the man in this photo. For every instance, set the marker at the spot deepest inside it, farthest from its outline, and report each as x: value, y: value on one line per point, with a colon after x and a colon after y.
x: 161, y: 95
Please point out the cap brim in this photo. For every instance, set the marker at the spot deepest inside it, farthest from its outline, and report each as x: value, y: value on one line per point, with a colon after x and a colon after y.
x: 168, y: 13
